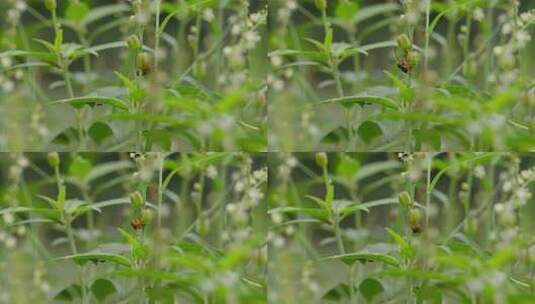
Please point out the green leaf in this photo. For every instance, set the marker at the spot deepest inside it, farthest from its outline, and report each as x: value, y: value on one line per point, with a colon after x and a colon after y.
x: 313, y: 55
x: 139, y: 250
x: 373, y: 10
x: 103, y: 11
x: 376, y: 168
x: 429, y: 294
x: 521, y: 298
x: 369, y: 130
x: 428, y: 136
x: 48, y: 213
x: 347, y: 166
x: 350, y: 101
x: 364, y: 257
x: 337, y: 135
x: 197, y: 248
x: 161, y: 137
x: 161, y: 295
x: 153, y: 118
x: 155, y: 275
x: 66, y: 136
x: 112, y: 202
x: 353, y: 207
x: 371, y: 288
x: 421, y: 117
x: 346, y: 10
x: 101, y: 170
x: 421, y: 275
x: 69, y: 293
x: 97, y: 257
x: 406, y: 93
x: 79, y: 102
x: 103, y: 288
x: 337, y: 293
x: 80, y: 167
x: 406, y: 250
x: 58, y: 41
x: 328, y: 41
x: 77, y: 10
x: 316, y: 213
x: 136, y: 93
x: 99, y: 131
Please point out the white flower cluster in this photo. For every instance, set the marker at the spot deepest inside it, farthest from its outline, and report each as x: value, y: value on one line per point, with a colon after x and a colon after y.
x: 244, y: 32
x: 8, y: 75
x: 286, y: 10
x: 39, y: 273
x: 14, y: 13
x: 249, y: 188
x: 413, y: 10
x: 516, y: 36
x: 142, y: 13
x: 147, y: 164
x: 415, y: 164
x: 286, y: 167
x: 515, y: 186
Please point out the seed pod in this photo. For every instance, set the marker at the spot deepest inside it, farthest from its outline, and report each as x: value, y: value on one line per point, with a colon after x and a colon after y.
x: 415, y: 216
x: 413, y: 58
x: 53, y: 159
x: 470, y: 68
x: 51, y: 5
x: 199, y: 70
x: 133, y: 43
x: 144, y: 62
x: 137, y: 199
x: 404, y: 42
x: 146, y: 216
x: 470, y: 226
x: 321, y: 159
x: 136, y: 223
x: 405, y: 199
x: 203, y: 226
x: 321, y: 4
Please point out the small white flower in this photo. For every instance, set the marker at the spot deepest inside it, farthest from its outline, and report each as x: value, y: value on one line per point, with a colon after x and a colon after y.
x: 11, y: 242
x: 8, y: 218
x: 239, y: 186
x: 21, y: 5
x: 479, y: 15
x: 211, y: 172
x: 276, y: 218
x: 21, y: 230
x: 208, y: 15
x: 479, y: 171
x: 507, y: 186
x: 23, y: 162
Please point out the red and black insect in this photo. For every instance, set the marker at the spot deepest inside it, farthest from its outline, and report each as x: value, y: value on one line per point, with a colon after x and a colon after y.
x: 137, y: 223
x: 404, y: 65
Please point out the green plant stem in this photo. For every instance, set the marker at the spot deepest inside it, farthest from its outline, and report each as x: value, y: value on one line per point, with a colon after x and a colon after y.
x: 428, y: 188
x: 197, y: 38
x: 157, y: 36
x: 160, y: 190
x: 70, y: 236
x: 338, y: 235
x: 427, y: 33
x: 90, y: 216
x: 347, y: 114
x: 325, y: 22
x: 351, y: 275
